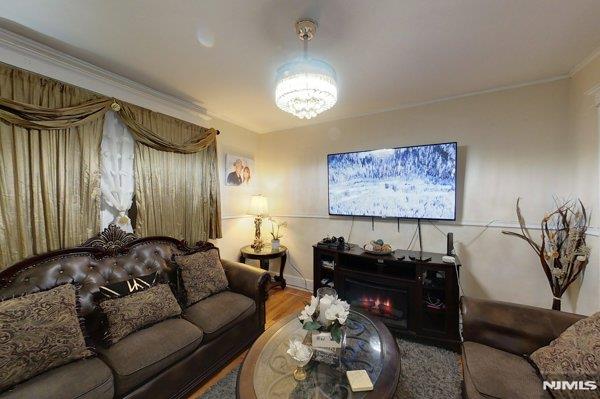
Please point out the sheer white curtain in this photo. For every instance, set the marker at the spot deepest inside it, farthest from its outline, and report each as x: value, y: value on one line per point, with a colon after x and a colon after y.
x: 116, y: 167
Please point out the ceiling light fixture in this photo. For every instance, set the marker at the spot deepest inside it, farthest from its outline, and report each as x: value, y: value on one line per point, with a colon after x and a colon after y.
x: 306, y: 86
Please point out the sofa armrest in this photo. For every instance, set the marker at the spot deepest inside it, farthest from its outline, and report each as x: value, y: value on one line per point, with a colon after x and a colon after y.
x: 246, y: 280
x: 251, y: 282
x: 514, y: 328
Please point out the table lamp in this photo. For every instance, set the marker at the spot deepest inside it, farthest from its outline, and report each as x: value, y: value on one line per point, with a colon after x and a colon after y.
x: 258, y: 208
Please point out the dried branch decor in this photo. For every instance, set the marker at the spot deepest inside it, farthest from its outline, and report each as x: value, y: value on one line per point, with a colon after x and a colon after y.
x: 563, y: 252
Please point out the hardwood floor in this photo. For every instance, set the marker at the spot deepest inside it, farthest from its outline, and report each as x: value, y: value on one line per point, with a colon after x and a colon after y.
x: 280, y: 304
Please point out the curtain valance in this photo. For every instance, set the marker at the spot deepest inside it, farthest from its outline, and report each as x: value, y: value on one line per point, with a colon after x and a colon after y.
x: 156, y: 138
x: 32, y: 116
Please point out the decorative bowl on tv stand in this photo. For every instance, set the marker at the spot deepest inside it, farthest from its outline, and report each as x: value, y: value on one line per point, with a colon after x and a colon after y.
x: 378, y: 247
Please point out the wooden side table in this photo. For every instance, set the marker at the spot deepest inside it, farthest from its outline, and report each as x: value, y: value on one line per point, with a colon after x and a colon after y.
x: 264, y: 256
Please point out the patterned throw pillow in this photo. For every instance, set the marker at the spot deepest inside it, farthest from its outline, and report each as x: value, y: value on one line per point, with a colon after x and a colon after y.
x: 123, y: 288
x: 573, y: 356
x: 141, y: 309
x: 38, y: 332
x: 202, y: 274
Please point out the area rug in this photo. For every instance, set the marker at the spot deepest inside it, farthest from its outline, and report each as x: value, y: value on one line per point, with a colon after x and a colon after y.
x: 427, y: 372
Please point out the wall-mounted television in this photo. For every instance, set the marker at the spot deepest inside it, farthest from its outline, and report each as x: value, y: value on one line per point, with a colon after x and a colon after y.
x: 417, y: 182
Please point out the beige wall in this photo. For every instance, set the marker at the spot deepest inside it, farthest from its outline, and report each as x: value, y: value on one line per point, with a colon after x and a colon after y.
x: 237, y: 231
x: 584, y: 131
x: 524, y: 142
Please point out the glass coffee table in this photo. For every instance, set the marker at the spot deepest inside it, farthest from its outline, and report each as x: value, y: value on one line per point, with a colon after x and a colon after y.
x: 267, y: 369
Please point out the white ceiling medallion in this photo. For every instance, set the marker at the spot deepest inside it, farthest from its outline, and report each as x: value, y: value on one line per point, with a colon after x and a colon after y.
x: 306, y: 86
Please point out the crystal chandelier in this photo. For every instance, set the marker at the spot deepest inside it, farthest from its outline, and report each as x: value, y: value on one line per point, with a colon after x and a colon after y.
x: 306, y: 86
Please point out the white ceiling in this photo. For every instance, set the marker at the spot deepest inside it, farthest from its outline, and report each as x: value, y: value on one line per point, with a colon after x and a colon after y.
x: 387, y: 53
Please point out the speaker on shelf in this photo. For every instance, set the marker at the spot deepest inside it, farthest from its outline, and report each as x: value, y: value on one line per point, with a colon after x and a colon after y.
x: 450, y: 244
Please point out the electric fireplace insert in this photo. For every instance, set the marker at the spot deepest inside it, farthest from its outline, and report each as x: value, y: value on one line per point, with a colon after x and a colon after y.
x: 386, y: 302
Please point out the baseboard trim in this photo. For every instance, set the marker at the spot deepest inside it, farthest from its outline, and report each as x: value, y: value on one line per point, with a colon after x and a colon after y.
x: 298, y: 282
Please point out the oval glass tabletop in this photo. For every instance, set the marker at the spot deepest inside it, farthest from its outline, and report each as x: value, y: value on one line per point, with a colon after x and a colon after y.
x: 273, y: 374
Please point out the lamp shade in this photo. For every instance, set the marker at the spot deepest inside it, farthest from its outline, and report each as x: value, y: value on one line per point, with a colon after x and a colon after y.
x: 258, y: 206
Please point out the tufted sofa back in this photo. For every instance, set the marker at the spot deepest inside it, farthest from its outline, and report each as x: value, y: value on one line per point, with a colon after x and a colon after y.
x: 90, y: 267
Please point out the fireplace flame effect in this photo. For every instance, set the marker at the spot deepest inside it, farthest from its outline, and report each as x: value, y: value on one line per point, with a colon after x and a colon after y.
x: 381, y: 307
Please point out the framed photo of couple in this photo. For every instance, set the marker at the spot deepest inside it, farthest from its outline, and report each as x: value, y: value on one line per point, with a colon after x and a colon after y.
x: 239, y: 170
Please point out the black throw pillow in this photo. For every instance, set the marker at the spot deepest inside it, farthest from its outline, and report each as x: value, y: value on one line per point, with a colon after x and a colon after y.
x: 138, y: 310
x: 124, y: 288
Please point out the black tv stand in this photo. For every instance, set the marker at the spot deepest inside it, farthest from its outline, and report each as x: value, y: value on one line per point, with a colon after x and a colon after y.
x: 413, y: 298
x: 420, y: 258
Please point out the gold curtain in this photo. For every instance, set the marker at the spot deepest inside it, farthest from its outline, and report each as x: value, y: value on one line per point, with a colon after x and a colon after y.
x: 50, y: 136
x: 49, y: 177
x: 176, y: 194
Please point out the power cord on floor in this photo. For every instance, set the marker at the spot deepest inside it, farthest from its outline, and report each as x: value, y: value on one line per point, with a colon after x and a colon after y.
x: 300, y: 273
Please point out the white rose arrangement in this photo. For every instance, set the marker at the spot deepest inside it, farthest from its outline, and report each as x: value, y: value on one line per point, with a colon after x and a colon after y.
x: 328, y: 314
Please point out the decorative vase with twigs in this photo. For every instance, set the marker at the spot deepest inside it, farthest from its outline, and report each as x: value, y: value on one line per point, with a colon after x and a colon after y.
x: 563, y: 252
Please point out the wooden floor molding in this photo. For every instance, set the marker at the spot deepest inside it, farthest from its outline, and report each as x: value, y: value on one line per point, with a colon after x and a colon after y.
x: 280, y: 304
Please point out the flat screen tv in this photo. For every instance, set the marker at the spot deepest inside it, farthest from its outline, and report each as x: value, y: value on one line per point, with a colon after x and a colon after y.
x: 417, y: 182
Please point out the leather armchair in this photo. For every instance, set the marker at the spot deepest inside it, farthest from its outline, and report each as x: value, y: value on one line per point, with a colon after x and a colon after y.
x: 514, y: 328
x: 497, y: 337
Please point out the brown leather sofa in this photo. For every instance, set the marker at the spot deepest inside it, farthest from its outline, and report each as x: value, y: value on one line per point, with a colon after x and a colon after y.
x: 167, y: 360
x: 496, y: 338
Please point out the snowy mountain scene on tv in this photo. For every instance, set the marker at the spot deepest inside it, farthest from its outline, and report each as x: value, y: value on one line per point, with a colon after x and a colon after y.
x: 411, y: 182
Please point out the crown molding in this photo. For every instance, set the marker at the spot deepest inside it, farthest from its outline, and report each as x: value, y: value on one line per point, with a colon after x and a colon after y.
x: 583, y: 63
x: 33, y: 56
x: 595, y: 92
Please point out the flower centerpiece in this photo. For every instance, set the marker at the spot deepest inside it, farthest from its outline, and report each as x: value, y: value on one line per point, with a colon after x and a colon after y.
x: 276, y: 233
x: 328, y: 314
